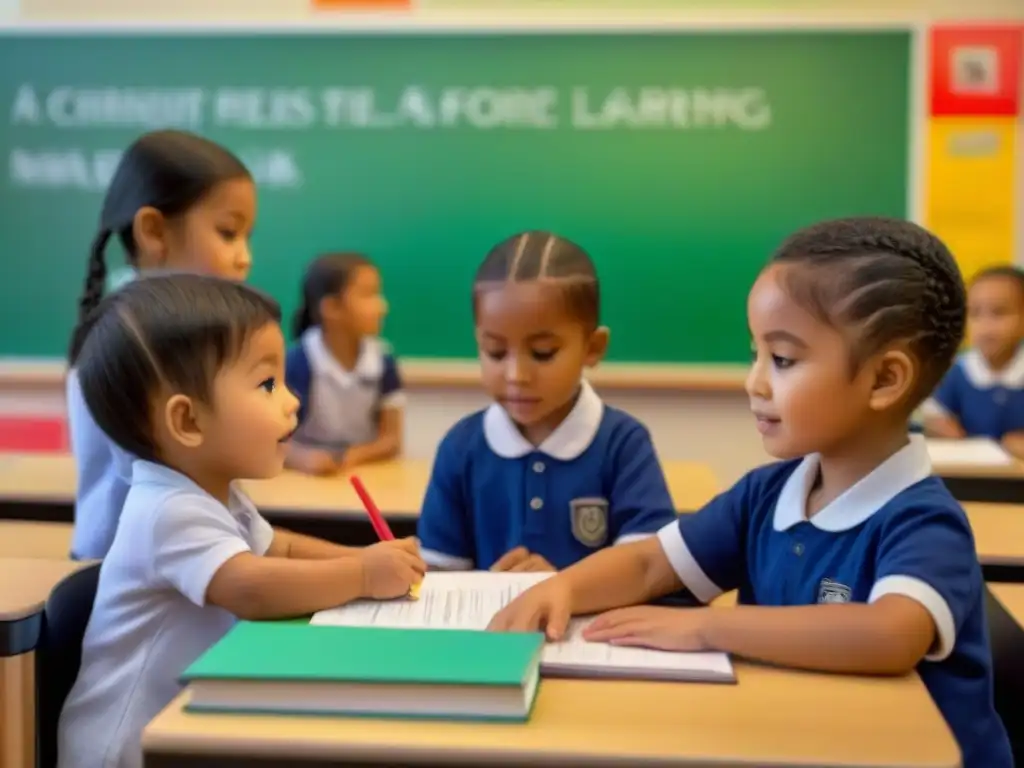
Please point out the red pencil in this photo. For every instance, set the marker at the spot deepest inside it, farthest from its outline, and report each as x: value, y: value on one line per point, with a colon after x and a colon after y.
x: 380, y: 525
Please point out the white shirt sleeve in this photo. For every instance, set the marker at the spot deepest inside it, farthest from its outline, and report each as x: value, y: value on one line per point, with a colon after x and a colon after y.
x: 194, y: 535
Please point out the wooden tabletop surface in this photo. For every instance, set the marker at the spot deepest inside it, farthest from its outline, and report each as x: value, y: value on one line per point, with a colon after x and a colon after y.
x: 25, y: 584
x: 1012, y: 598
x: 998, y: 532
x: 771, y: 717
x: 396, y: 486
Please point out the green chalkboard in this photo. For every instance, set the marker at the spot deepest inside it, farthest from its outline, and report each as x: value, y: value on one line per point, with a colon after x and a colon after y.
x: 677, y: 160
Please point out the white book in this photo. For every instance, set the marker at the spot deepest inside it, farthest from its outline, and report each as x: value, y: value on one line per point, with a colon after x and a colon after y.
x: 469, y: 599
x: 971, y: 452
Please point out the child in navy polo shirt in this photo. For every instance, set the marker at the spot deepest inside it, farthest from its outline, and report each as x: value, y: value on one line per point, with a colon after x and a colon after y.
x: 983, y: 394
x: 548, y: 473
x: 849, y: 555
x: 344, y: 375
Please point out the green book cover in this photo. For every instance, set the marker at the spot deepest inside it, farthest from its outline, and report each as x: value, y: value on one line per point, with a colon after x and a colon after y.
x: 276, y: 651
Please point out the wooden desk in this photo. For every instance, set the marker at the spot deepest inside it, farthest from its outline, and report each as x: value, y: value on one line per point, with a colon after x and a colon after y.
x: 25, y: 585
x: 42, y: 488
x: 999, y: 539
x: 49, y: 541
x: 1011, y: 596
x: 772, y: 717
x: 973, y: 483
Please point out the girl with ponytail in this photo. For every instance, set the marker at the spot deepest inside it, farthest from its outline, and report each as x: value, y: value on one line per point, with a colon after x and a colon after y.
x: 344, y: 374
x: 176, y: 202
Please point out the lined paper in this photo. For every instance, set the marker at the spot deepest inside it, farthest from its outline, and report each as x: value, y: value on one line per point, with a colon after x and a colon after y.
x: 468, y: 600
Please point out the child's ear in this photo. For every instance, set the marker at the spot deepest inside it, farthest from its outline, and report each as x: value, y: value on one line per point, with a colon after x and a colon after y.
x: 894, y: 375
x: 183, y: 422
x: 149, y: 230
x: 597, y: 346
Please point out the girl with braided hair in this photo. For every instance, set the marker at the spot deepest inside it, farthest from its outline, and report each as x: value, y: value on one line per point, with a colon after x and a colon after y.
x: 849, y: 555
x: 177, y: 202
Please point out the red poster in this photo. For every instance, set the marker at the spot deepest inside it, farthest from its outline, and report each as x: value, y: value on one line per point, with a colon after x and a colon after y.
x: 976, y: 70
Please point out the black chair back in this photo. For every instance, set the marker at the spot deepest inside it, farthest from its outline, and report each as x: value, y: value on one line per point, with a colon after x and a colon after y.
x: 59, y: 654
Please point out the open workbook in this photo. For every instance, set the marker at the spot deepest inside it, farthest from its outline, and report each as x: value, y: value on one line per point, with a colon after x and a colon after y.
x: 468, y: 600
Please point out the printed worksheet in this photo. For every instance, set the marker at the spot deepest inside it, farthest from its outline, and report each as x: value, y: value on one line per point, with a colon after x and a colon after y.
x: 469, y: 599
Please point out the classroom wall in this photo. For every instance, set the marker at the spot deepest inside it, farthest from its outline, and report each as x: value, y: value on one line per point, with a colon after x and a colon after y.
x: 710, y: 426
x: 298, y: 9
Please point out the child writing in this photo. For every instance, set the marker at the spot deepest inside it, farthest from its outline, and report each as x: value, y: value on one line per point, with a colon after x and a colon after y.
x: 849, y: 555
x: 548, y: 473
x: 186, y: 373
x: 983, y: 393
x: 346, y: 380
x: 176, y: 201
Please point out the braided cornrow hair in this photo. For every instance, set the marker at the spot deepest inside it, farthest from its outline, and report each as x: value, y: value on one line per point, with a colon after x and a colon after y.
x: 544, y: 256
x: 887, y: 280
x: 166, y: 170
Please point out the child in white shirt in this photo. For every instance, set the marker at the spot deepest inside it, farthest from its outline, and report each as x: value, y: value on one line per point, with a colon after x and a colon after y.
x: 186, y: 373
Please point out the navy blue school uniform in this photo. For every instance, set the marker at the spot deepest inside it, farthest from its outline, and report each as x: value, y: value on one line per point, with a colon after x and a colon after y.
x: 339, y: 408
x: 986, y: 403
x: 896, y: 532
x: 594, y: 482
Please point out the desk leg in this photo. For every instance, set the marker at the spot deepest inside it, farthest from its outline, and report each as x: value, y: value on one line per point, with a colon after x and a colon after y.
x: 17, y: 711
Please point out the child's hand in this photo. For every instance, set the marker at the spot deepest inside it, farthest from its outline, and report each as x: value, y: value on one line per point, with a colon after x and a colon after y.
x: 667, y: 629
x: 521, y: 560
x: 547, y: 606
x: 944, y: 427
x: 390, y: 568
x: 311, y: 461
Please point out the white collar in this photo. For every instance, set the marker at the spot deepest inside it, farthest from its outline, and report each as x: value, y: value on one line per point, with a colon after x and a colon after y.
x: 369, y: 364
x: 570, y: 438
x: 860, y: 501
x: 980, y: 375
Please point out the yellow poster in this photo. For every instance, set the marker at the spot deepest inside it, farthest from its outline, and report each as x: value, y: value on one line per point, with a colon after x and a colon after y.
x: 970, y: 188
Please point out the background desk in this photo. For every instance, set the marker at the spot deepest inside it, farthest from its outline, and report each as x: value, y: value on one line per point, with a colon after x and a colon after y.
x: 42, y: 488
x: 1004, y: 484
x: 999, y: 539
x: 772, y: 717
x: 25, y: 585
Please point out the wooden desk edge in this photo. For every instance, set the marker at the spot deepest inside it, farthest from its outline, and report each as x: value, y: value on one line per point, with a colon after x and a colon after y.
x: 433, y: 374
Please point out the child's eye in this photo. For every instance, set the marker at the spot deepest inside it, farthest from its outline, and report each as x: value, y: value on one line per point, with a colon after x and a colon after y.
x: 269, y: 384
x: 543, y: 355
x: 228, y: 234
x: 783, y: 362
x: 495, y: 354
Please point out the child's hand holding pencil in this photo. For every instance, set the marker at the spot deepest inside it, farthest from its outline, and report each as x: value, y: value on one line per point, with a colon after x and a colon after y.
x: 410, y: 547
x: 391, y: 568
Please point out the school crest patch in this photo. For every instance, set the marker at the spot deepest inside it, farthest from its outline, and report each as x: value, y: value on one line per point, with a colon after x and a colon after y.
x: 589, y: 521
x: 833, y: 592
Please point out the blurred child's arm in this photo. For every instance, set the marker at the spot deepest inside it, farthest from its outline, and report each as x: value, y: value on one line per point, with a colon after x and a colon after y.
x: 310, y: 460
x: 387, y: 445
x: 923, y: 590
x: 941, y: 409
x: 388, y: 442
x: 1013, y: 442
x: 199, y: 551
x: 445, y: 526
x: 300, y: 547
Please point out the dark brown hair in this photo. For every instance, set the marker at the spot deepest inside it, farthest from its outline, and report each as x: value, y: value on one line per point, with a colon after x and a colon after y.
x: 539, y: 255
x: 884, y: 280
x: 170, y: 171
x: 1005, y: 271
x: 328, y: 275
x: 163, y: 331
